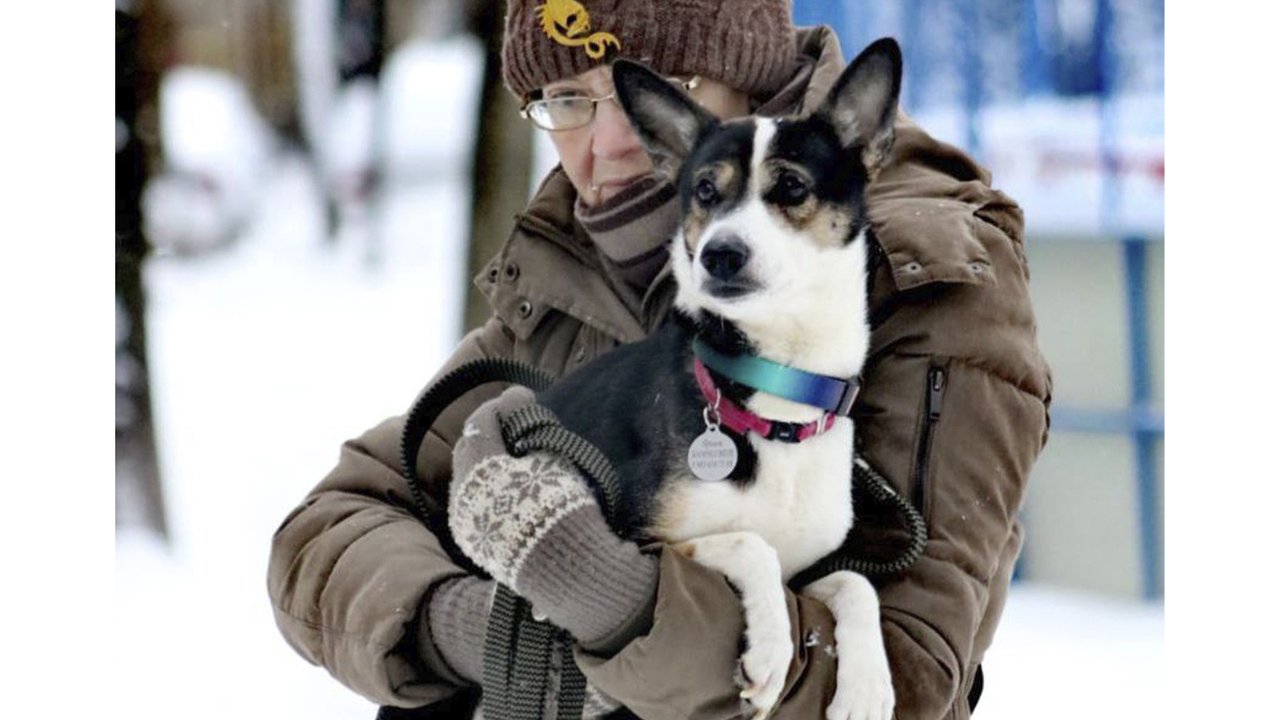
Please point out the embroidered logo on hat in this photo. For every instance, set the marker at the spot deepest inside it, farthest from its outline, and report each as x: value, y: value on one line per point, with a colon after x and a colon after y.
x: 565, y: 20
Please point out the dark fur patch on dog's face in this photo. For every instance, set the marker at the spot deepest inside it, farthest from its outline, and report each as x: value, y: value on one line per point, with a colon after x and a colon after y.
x: 813, y: 184
x: 715, y: 179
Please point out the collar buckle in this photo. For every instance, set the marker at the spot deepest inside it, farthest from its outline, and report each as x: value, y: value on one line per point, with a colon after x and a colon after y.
x: 849, y: 396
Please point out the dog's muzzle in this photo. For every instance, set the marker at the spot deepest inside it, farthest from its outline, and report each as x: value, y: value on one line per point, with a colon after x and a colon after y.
x: 725, y: 258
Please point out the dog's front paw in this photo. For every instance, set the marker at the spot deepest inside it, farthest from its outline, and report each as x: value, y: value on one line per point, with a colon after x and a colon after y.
x: 762, y: 669
x: 752, y: 566
x: 864, y: 688
x: 864, y: 691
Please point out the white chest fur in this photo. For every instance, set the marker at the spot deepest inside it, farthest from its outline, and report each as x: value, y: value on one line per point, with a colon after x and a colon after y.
x: 800, y: 502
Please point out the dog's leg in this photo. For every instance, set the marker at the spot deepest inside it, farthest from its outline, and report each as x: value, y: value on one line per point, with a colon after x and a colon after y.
x: 864, y: 689
x: 752, y: 566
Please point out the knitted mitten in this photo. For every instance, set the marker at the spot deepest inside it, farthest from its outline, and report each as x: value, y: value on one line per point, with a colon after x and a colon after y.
x: 532, y: 523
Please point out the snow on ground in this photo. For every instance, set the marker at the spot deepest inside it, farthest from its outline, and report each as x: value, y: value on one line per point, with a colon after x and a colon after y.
x: 264, y: 359
x: 1063, y: 655
x: 266, y: 355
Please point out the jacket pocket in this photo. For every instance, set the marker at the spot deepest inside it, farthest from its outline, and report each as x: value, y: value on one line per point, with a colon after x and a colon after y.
x: 935, y: 388
x: 931, y: 240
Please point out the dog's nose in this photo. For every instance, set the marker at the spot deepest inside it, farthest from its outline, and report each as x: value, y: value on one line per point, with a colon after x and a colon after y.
x: 724, y: 256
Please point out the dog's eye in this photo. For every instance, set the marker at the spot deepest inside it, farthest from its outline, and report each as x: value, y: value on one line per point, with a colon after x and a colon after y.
x: 790, y: 189
x: 705, y: 192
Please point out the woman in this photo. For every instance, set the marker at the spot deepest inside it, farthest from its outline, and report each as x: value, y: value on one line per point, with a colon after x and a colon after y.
x: 953, y: 410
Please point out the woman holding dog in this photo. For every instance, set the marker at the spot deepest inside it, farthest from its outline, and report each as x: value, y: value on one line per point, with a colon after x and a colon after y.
x: 953, y: 409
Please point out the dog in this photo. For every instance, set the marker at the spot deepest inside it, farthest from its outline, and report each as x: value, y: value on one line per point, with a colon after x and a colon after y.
x: 770, y: 261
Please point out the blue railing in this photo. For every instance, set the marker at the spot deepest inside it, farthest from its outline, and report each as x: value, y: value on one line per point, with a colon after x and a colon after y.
x: 1065, y: 48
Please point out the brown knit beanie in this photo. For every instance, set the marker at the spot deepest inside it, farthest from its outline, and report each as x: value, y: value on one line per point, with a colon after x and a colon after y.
x: 746, y: 44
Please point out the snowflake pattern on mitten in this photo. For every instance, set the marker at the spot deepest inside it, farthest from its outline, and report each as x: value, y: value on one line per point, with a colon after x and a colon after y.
x: 501, y: 509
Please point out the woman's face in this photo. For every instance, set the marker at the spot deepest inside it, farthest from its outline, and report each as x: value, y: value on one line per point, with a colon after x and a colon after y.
x: 605, y: 156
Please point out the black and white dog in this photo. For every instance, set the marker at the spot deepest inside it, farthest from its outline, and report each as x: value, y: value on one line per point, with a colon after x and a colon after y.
x: 729, y: 427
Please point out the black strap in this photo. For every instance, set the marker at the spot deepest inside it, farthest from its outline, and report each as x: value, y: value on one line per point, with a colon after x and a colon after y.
x: 440, y: 395
x: 459, y: 706
x: 975, y: 690
x: 535, y: 427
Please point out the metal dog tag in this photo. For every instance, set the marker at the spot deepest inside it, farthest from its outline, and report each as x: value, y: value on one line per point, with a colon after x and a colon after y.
x: 712, y: 456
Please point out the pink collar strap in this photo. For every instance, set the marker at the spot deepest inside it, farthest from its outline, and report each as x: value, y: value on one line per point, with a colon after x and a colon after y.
x: 742, y: 421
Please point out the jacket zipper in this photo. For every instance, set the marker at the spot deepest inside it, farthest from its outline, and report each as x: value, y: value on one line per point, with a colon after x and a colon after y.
x: 937, y: 383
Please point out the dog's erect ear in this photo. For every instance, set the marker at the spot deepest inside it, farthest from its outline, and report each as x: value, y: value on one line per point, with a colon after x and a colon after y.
x: 864, y: 102
x: 667, y: 120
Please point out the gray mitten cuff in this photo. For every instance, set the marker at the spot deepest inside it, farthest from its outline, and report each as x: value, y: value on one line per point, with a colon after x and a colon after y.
x: 457, y: 617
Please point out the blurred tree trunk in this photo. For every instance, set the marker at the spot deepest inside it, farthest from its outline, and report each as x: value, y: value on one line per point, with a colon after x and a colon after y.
x: 501, y: 162
x: 139, y: 500
x: 263, y: 59
x: 362, y: 53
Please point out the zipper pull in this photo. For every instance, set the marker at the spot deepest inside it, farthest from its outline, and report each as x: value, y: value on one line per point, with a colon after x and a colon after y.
x: 937, y: 381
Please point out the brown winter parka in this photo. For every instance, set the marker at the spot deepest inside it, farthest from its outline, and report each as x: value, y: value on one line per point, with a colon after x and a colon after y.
x: 953, y: 413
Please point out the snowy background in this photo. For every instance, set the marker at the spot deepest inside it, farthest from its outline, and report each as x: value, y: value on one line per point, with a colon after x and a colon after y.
x: 268, y: 353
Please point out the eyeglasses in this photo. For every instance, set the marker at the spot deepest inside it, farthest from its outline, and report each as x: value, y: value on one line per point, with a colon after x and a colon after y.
x: 570, y: 112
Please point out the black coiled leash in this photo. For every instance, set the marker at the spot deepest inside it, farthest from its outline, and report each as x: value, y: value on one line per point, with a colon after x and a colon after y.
x: 518, y: 647
x: 844, y: 557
